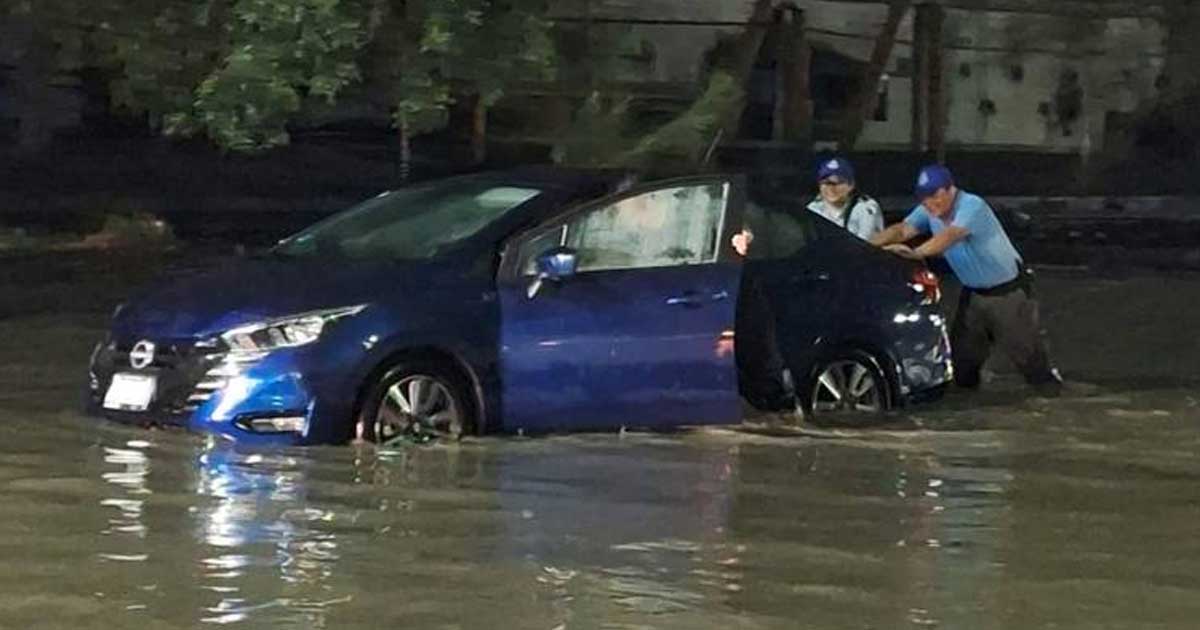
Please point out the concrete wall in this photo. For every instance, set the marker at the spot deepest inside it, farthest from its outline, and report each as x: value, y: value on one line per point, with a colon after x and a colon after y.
x: 1116, y: 60
x: 678, y: 50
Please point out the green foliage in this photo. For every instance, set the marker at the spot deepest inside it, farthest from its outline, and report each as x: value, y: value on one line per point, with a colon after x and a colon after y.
x: 682, y: 143
x: 162, y: 53
x: 602, y: 128
x: 470, y: 47
x: 239, y: 70
x: 281, y: 52
x: 607, y: 136
x: 598, y: 135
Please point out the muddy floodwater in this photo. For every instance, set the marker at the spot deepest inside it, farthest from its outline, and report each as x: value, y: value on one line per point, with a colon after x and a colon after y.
x: 987, y: 510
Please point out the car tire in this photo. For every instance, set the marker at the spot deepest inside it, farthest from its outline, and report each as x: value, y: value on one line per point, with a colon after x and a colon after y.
x: 847, y: 388
x: 417, y: 400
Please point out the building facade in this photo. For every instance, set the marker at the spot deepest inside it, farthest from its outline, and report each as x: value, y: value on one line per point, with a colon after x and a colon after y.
x: 1023, y: 75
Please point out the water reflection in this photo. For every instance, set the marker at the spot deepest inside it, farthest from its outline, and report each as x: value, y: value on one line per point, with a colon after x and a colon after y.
x: 133, y: 467
x: 598, y: 522
x: 255, y: 521
x: 584, y: 529
x: 698, y: 530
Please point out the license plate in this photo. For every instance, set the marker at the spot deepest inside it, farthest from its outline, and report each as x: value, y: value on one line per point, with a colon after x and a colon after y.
x: 130, y: 392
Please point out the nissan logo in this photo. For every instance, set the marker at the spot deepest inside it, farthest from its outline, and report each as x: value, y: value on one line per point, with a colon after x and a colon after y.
x: 142, y: 354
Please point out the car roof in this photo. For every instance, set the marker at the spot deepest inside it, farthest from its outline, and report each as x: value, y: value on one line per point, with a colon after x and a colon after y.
x: 579, y: 179
x: 573, y: 182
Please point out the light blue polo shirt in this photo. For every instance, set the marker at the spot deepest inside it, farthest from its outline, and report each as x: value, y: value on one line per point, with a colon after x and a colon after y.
x: 985, y: 258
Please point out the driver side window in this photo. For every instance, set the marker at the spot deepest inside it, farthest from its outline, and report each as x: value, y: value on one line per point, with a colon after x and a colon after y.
x: 659, y: 228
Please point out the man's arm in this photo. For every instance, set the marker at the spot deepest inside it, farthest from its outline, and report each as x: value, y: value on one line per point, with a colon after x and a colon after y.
x: 896, y: 233
x: 932, y: 247
x: 943, y: 241
x: 968, y: 219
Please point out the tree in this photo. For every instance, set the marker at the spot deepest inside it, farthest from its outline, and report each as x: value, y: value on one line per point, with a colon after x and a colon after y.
x: 468, y: 51
x: 238, y: 71
x: 867, y: 99
x: 683, y: 143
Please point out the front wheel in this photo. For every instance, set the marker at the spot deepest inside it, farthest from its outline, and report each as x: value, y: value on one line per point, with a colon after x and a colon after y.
x: 848, y: 389
x: 417, y: 400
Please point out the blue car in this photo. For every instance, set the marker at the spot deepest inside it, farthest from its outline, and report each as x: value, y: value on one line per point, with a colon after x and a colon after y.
x: 525, y: 301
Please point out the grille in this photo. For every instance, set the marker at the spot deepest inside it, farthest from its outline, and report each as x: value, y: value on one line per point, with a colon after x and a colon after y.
x: 189, y: 373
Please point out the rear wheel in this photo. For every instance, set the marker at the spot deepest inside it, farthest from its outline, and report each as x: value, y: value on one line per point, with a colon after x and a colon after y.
x: 418, y: 401
x: 848, y: 389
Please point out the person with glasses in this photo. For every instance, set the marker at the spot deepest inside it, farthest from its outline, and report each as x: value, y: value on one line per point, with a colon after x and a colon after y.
x: 838, y: 200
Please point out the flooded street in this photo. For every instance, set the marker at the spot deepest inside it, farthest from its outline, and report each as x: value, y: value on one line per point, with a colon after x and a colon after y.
x: 987, y: 510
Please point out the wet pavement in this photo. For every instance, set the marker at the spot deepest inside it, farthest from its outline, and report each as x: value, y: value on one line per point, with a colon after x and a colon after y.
x: 988, y: 510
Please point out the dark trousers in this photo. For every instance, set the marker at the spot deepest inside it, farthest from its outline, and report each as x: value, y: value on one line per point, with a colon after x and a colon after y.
x: 762, y: 377
x: 1008, y: 319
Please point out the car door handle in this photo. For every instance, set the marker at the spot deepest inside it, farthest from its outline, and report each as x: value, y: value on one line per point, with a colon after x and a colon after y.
x: 689, y: 299
x: 693, y: 299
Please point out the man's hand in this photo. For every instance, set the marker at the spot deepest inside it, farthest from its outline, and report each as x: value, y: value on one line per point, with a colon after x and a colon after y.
x: 895, y: 233
x: 904, y: 251
x: 741, y: 241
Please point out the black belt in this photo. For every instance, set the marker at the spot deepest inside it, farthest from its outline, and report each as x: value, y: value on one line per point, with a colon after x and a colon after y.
x: 1023, y: 282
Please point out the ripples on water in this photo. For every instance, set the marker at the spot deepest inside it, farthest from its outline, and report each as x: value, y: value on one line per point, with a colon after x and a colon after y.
x: 1016, y: 514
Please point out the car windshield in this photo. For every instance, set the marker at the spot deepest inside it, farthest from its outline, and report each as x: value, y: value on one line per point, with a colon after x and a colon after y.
x: 411, y: 224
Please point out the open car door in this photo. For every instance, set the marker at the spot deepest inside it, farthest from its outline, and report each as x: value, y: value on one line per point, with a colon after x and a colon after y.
x: 621, y: 312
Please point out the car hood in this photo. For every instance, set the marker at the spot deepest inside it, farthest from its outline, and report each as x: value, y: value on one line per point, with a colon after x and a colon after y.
x: 204, y: 304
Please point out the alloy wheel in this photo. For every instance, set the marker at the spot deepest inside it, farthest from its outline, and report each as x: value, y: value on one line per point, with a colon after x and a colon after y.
x: 418, y: 406
x: 847, y: 387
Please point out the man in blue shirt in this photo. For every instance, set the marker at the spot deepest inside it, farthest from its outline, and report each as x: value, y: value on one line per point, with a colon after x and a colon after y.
x: 997, y: 303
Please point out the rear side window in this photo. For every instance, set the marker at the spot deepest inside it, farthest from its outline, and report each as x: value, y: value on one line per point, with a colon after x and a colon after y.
x: 782, y: 229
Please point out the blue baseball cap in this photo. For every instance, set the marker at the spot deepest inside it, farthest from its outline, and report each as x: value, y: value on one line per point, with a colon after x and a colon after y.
x: 931, y: 179
x: 836, y: 167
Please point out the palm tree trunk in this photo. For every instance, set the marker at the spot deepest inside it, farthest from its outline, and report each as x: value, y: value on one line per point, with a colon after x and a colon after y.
x: 867, y: 99
x: 403, y: 136
x: 479, y: 112
x: 741, y: 63
x: 793, y: 106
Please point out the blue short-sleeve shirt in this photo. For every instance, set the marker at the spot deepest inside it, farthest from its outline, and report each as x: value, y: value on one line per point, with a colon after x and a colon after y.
x: 986, y: 257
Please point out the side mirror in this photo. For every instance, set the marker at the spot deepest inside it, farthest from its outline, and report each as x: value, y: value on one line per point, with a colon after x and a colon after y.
x: 557, y: 263
x: 553, y: 264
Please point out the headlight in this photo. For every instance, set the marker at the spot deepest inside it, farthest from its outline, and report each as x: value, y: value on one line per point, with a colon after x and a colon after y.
x: 285, y: 332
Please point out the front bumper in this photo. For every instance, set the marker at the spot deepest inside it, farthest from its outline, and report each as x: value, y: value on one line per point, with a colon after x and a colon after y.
x: 201, y: 386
